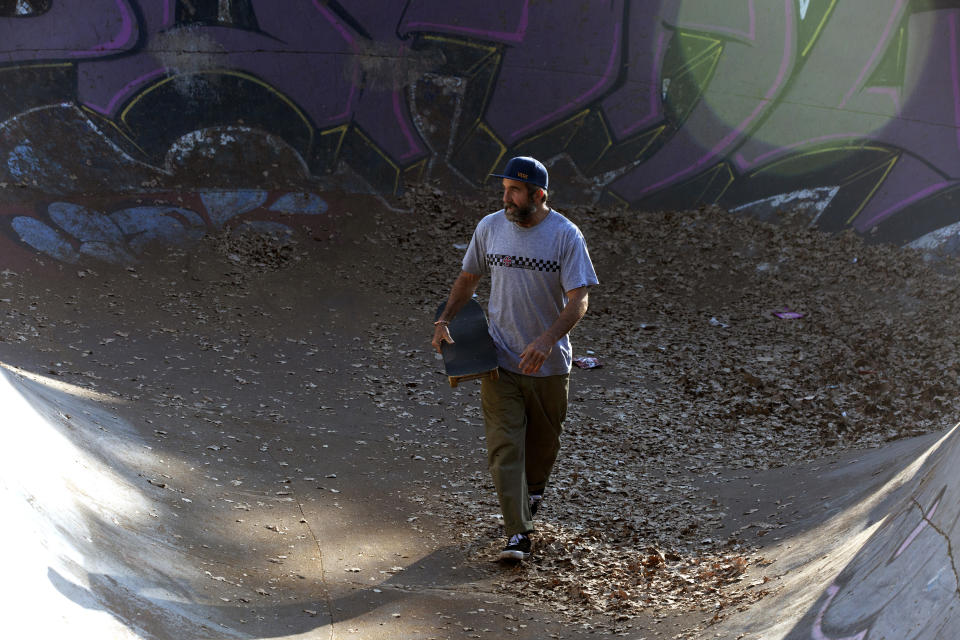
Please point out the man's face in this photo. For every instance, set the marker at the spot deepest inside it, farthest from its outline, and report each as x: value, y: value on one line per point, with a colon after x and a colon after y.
x: 517, y: 203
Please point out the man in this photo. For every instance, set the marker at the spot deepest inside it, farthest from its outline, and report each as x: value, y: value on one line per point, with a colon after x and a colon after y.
x: 540, y: 273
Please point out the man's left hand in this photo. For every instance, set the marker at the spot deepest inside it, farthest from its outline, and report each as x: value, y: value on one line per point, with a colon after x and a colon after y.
x: 535, y: 355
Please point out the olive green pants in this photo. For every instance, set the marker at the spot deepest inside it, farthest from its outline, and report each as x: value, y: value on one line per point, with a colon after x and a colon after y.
x: 524, y: 419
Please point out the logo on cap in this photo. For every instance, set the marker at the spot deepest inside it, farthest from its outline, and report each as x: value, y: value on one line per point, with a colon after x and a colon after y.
x: 526, y: 169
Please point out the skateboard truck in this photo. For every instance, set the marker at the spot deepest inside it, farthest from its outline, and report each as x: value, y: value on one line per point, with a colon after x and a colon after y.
x: 493, y: 374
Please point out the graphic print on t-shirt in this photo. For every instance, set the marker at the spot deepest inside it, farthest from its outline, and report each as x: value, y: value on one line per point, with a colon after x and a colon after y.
x: 519, y: 262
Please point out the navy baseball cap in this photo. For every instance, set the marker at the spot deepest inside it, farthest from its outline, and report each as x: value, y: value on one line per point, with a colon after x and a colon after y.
x: 525, y: 169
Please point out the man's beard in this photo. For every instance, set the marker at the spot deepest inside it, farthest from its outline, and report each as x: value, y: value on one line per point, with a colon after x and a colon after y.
x: 517, y: 214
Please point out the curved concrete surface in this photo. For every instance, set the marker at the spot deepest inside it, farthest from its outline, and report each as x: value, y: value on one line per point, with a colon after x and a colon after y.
x: 197, y: 459
x: 879, y: 562
x: 202, y: 507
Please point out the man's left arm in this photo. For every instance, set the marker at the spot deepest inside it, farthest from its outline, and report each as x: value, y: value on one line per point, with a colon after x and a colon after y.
x: 540, y: 349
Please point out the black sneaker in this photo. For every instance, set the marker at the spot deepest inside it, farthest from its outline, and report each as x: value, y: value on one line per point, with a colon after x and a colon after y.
x: 535, y: 500
x: 518, y: 548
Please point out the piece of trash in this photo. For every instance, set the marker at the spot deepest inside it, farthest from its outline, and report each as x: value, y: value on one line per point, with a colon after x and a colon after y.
x: 587, y: 363
x: 647, y: 327
x: 787, y: 314
x: 716, y: 323
x: 460, y: 246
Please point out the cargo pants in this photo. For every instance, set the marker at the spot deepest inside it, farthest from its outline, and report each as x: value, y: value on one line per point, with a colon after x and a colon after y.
x: 524, y: 419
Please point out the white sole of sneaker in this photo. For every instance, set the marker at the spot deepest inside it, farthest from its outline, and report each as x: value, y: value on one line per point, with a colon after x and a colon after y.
x: 514, y: 556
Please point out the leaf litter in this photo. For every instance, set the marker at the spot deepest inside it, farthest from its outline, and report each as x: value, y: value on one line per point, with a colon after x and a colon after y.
x: 729, y: 344
x: 700, y: 379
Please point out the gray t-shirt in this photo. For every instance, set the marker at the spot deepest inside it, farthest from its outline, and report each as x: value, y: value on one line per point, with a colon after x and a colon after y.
x: 531, y: 269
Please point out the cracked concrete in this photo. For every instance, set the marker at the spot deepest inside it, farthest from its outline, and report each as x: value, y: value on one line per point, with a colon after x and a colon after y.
x: 861, y: 564
x: 927, y: 518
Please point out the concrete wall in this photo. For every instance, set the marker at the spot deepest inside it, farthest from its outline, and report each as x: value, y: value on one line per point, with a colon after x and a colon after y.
x: 849, y: 110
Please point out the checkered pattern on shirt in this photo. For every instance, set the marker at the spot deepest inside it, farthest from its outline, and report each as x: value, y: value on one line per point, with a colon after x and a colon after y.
x: 519, y: 262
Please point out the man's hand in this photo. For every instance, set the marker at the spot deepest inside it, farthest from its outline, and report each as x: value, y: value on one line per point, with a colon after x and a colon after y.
x: 540, y: 349
x: 441, y: 334
x: 462, y: 290
x: 535, y: 355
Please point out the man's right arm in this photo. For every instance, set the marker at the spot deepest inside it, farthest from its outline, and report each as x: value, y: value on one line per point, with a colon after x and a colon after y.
x: 462, y: 290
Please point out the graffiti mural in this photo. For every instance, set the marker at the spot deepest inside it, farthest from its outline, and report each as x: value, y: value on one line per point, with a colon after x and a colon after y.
x: 122, y: 229
x: 846, y: 109
x: 904, y: 581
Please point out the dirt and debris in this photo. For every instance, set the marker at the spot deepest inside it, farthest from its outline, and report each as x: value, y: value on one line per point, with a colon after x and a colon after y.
x: 289, y: 343
x: 703, y: 380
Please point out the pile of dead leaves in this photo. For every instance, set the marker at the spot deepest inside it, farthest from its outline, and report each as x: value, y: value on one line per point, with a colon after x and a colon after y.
x: 270, y: 247
x: 727, y: 343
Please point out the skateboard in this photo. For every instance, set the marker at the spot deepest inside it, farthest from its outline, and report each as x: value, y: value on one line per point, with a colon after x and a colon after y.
x: 473, y: 354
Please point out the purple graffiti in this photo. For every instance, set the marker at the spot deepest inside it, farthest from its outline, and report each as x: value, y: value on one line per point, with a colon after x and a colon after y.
x: 105, y: 85
x: 735, y: 30
x: 894, y: 18
x: 919, y: 528
x: 723, y: 120
x: 70, y: 30
x: 776, y: 83
x: 910, y: 117
x: 817, y: 632
x: 323, y: 83
x: 537, y: 35
x: 507, y: 24
x: 898, y: 582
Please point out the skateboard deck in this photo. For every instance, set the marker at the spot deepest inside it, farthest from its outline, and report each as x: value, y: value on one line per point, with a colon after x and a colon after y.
x: 472, y: 354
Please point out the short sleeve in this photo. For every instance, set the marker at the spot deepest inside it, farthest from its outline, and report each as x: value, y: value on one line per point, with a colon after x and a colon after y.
x: 576, y: 267
x: 474, y: 260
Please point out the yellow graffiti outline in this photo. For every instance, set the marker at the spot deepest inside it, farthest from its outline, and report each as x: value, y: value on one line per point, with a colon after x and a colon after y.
x: 822, y: 150
x: 717, y: 170
x: 893, y: 159
x: 36, y: 65
x: 342, y: 130
x: 819, y: 29
x: 706, y: 52
x: 376, y: 149
x: 102, y: 119
x: 420, y: 165
x: 709, y: 55
x: 492, y: 50
x: 654, y: 134
x: 223, y: 72
x: 581, y: 115
x: 503, y: 148
x: 616, y: 197
x: 890, y: 164
x: 606, y: 132
x: 490, y: 83
x: 901, y: 53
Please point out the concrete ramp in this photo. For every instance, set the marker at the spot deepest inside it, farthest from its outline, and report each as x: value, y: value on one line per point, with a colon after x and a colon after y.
x: 153, y: 487
x: 85, y: 553
x: 880, y: 565
x: 902, y: 582
x: 196, y: 457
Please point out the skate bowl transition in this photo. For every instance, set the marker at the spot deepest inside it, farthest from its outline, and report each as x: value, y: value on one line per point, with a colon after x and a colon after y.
x: 141, y: 500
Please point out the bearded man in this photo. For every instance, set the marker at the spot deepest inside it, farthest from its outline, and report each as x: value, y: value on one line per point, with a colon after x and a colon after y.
x: 540, y: 274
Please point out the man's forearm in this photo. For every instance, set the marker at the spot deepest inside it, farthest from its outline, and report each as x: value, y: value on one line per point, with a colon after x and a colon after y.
x: 572, y: 314
x: 461, y: 291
